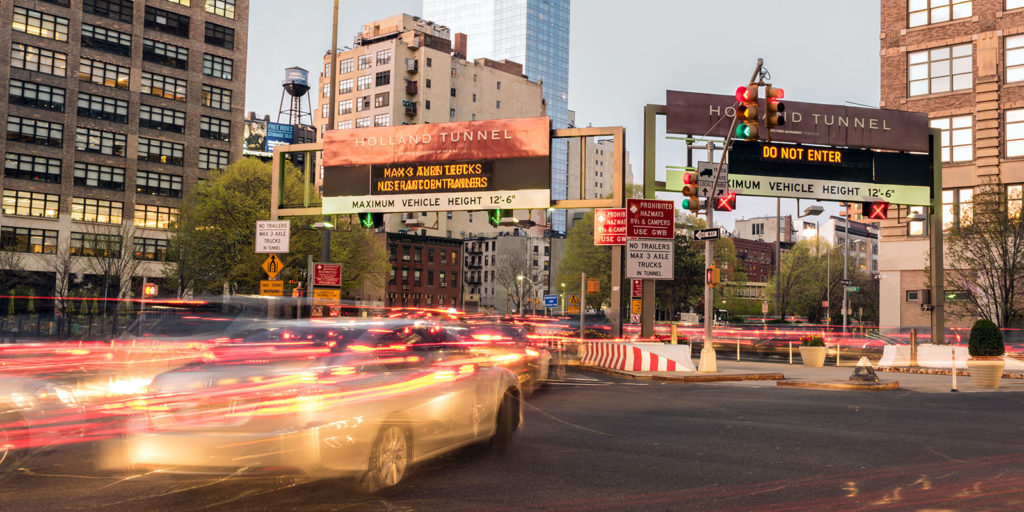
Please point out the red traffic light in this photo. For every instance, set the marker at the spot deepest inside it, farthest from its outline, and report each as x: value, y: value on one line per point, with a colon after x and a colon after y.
x: 746, y: 93
x: 726, y: 203
x: 875, y: 210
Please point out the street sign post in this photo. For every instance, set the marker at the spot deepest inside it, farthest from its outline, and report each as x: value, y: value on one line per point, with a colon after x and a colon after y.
x: 610, y: 226
x: 326, y: 274
x: 650, y: 218
x: 272, y: 236
x: 272, y: 266
x: 707, y: 234
x: 649, y: 259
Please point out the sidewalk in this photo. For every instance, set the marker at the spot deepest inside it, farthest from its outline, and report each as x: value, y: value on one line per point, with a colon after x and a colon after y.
x: 922, y: 380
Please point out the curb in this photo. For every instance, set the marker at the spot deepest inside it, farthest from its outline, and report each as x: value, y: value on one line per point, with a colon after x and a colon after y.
x: 689, y: 378
x: 885, y: 385
x: 938, y: 371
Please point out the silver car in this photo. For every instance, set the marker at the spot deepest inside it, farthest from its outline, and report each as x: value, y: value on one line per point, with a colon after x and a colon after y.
x: 394, y: 396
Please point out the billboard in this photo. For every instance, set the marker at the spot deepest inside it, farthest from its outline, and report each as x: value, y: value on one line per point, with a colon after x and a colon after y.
x: 807, y: 123
x: 261, y: 137
x: 474, y: 165
x: 254, y: 138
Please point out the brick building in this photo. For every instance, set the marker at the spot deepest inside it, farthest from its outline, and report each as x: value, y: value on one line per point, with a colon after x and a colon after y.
x: 962, y: 62
x: 425, y: 271
x: 115, y: 109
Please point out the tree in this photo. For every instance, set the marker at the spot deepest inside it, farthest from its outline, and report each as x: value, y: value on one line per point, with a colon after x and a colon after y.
x: 801, y: 279
x: 582, y: 256
x: 510, y: 268
x: 213, y: 244
x: 985, y: 258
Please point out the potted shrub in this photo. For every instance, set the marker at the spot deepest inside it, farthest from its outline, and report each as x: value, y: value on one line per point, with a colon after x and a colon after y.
x: 986, y: 349
x: 812, y: 350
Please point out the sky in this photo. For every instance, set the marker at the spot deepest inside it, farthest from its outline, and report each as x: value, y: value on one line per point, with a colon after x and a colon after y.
x: 626, y: 54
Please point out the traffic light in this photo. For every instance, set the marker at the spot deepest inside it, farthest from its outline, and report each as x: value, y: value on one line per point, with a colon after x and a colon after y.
x: 726, y: 203
x: 691, y: 201
x: 494, y: 217
x: 746, y: 112
x: 773, y: 107
x: 149, y: 290
x: 714, y: 276
x: 875, y: 210
x: 371, y: 220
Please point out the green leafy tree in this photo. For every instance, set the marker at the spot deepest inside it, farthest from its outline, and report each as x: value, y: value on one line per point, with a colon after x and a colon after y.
x: 582, y: 256
x: 213, y: 244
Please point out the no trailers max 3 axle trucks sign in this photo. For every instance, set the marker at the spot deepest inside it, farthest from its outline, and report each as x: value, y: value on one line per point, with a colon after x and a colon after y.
x: 476, y: 165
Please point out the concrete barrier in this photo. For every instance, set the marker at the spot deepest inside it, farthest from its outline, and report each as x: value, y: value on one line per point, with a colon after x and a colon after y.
x: 637, y: 356
x: 934, y: 356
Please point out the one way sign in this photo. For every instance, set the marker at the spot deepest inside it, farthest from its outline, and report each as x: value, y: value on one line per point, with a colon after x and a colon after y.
x: 707, y: 234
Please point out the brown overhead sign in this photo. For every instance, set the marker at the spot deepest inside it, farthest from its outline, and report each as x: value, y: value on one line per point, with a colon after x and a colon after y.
x: 809, y: 123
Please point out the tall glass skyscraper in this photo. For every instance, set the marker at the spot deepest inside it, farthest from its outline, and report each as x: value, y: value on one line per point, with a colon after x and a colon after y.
x: 534, y: 33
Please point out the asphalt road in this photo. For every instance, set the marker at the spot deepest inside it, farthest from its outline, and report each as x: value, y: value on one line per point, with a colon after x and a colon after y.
x: 595, y: 442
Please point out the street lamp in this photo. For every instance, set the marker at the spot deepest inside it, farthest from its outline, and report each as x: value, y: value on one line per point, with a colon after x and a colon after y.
x: 519, y: 285
x: 563, y: 299
x: 324, y: 227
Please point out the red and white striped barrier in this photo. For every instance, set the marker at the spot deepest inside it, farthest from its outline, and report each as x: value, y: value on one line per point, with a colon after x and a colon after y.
x: 637, y: 357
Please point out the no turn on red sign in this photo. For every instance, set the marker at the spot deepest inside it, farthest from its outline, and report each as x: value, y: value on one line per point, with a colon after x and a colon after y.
x: 650, y: 218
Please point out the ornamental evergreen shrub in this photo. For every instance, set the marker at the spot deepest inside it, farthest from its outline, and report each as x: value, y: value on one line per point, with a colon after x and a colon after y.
x: 986, y: 339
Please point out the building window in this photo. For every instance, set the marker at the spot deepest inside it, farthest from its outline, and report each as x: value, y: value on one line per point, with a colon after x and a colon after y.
x: 384, y: 57
x: 150, y: 249
x: 327, y: 90
x: 426, y: 105
x: 40, y: 24
x: 31, y: 204
x: 344, y: 66
x: 364, y: 82
x: 957, y: 138
x: 161, y: 151
x: 940, y: 70
x: 120, y: 10
x: 99, y: 176
x: 957, y: 207
x: 167, y: 22
x: 382, y: 120
x: 106, y: 40
x: 474, y: 98
x: 225, y: 8
x: 497, y: 104
x: 165, y: 54
x: 98, y: 245
x: 365, y: 61
x: 345, y: 107
x: 925, y: 12
x: 451, y: 113
x: 35, y: 241
x: 217, y: 66
x: 383, y: 78
x: 213, y: 158
x: 1014, y: 132
x: 917, y: 227
x: 216, y: 97
x: 33, y: 131
x: 499, y: 85
x: 381, y: 100
x: 159, y: 118
x: 32, y: 167
x: 102, y: 107
x: 213, y: 128
x: 86, y: 209
x: 363, y: 122
x: 33, y: 58
x: 345, y: 86
x: 345, y: 125
x: 427, y: 83
x: 31, y: 94
x: 158, y: 184
x: 913, y: 296
x: 186, y: 3
x: 163, y: 86
x: 98, y: 141
x: 217, y: 35
x: 103, y: 73
x: 1014, y: 201
x: 155, y: 217
x: 362, y: 103
x: 325, y: 111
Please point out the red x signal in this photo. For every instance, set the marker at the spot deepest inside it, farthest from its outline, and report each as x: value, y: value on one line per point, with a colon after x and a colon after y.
x: 726, y: 203
x: 876, y: 210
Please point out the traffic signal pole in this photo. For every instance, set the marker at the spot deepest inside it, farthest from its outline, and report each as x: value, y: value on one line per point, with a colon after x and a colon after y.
x: 708, y: 358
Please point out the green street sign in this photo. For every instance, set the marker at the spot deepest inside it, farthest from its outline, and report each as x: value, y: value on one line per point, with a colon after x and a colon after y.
x: 853, y: 288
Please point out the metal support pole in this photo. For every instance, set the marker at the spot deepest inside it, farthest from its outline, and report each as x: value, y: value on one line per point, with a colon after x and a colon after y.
x: 583, y: 301
x: 913, y: 347
x: 708, y: 359
x: 938, y: 287
x: 778, y: 260
x: 846, y: 259
x: 325, y: 246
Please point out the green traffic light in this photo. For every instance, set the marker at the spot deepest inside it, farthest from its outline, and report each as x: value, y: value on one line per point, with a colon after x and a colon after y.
x: 743, y: 131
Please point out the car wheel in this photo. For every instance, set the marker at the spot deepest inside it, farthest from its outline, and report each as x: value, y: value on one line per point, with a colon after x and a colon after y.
x: 389, y: 458
x: 507, y: 421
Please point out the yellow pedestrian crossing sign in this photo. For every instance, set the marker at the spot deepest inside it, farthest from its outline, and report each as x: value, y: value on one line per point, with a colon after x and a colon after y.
x: 272, y: 266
